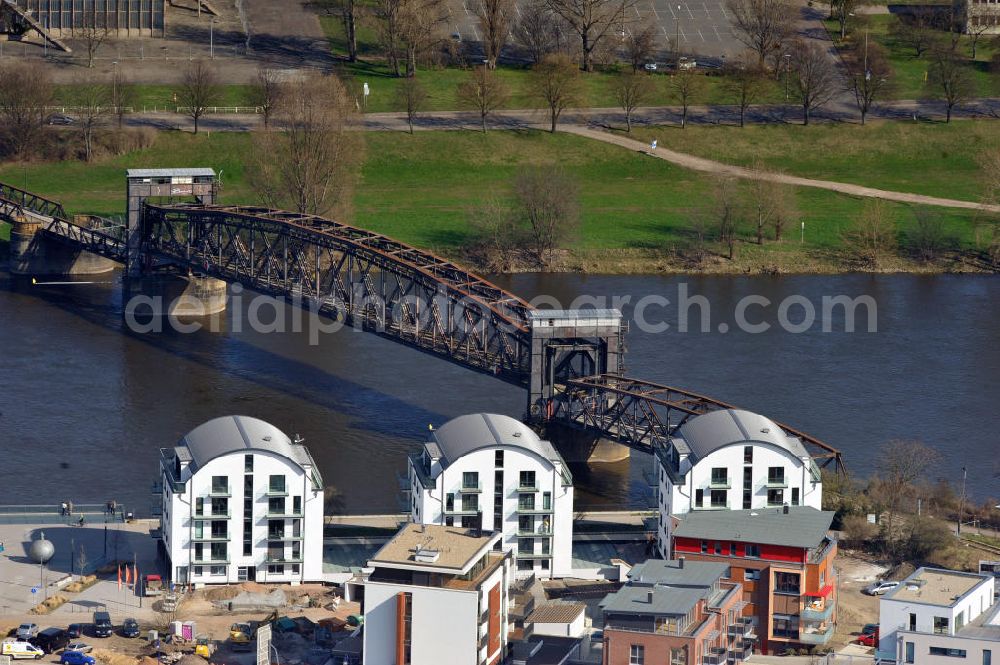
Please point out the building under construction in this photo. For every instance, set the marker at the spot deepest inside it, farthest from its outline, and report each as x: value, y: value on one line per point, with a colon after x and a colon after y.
x: 52, y: 19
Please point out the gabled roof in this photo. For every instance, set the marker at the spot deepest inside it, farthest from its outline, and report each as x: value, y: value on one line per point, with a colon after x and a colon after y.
x: 718, y: 429
x: 465, y: 434
x: 801, y: 526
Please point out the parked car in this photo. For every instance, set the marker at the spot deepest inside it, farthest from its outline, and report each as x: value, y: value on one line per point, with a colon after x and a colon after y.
x: 869, y: 639
x: 102, y: 624
x: 686, y: 63
x: 82, y: 647
x: 60, y: 119
x: 51, y: 640
x: 650, y: 66
x: 20, y: 649
x: 76, y: 658
x: 76, y: 629
x: 869, y: 628
x: 26, y: 631
x: 130, y: 628
x: 878, y: 588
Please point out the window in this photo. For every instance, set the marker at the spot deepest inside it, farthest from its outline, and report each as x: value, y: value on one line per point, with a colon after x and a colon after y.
x: 248, y: 505
x: 217, y: 570
x: 527, y: 479
x: 786, y: 583
x: 719, y: 498
x: 242, y: 573
x: 546, y: 500
x: 987, y: 657
x: 747, y: 478
x: 960, y: 620
x: 276, y: 485
x: 526, y: 502
x: 470, y: 480
x: 636, y: 654
x: 199, y: 506
x: 275, y: 529
x: 498, y: 502
x: 748, y: 454
x: 470, y: 503
x: 276, y: 569
x: 704, y: 547
x: 699, y: 498
x: 248, y: 463
x: 941, y: 625
x: 197, y: 571
x: 525, y: 564
x: 752, y: 551
x: 526, y: 546
x: 247, y: 549
x: 498, y: 459
x: 276, y: 505
x: 786, y: 626
x: 775, y: 497
x: 525, y: 523
x: 943, y: 651
x: 678, y: 656
x: 220, y: 485
x: 720, y: 476
x: 449, y: 520
x: 545, y: 564
x: 913, y: 621
x: 295, y: 569
x: 498, y: 482
x: 546, y: 547
x: 775, y: 475
x: 909, y: 652
x: 751, y: 575
x: 449, y: 501
x: 220, y: 507
x: 795, y: 496
x: 718, y: 548
x: 747, y: 499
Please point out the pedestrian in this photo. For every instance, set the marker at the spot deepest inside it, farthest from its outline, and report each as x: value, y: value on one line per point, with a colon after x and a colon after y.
x: 63, y: 509
x: 652, y: 147
x: 114, y: 506
x: 81, y: 520
x: 69, y: 508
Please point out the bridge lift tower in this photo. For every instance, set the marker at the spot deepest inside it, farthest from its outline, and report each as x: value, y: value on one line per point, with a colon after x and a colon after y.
x: 570, y: 344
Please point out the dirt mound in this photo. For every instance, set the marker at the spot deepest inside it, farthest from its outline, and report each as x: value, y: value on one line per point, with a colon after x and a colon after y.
x: 106, y: 657
x: 222, y: 593
x: 191, y: 659
x: 253, y: 587
x: 901, y: 572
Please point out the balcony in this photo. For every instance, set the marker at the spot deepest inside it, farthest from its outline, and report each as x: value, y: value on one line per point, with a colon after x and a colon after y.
x: 527, y: 489
x: 534, y: 534
x: 213, y: 515
x: 743, y: 626
x: 281, y: 535
x: 167, y: 467
x: 461, y: 511
x: 283, y: 513
x: 210, y: 538
x: 221, y: 491
x: 533, y: 510
x: 776, y: 482
x: 720, y: 484
x: 470, y: 488
x: 815, y: 635
x: 275, y: 490
x: 742, y: 650
x: 211, y: 561
x: 534, y: 555
x: 715, y: 656
x: 809, y: 613
x: 281, y: 558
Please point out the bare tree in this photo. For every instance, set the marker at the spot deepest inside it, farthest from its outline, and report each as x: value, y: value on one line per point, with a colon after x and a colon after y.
x: 537, y: 30
x: 744, y: 81
x: 548, y: 208
x: 123, y: 95
x: 411, y: 97
x: 348, y: 15
x: 786, y: 213
x: 873, y: 234
x: 81, y: 561
x: 763, y: 26
x: 92, y: 100
x: 307, y: 165
x: 199, y: 89
x: 928, y: 237
x: 495, y: 19
x: 843, y: 11
x: 814, y: 77
x: 761, y: 204
x: 915, y: 29
x: 421, y: 29
x: 725, y: 207
x: 389, y: 20
x: 556, y: 81
x: 685, y: 86
x: 950, y: 79
x: 978, y: 27
x: 901, y: 465
x: 25, y: 91
x: 484, y: 92
x: 868, y: 74
x: 591, y: 20
x: 631, y: 91
x: 640, y: 46
x: 494, y: 236
x: 265, y: 92
x: 93, y: 32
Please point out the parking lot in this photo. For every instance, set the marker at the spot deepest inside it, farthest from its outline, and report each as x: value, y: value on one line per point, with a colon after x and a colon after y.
x: 702, y: 27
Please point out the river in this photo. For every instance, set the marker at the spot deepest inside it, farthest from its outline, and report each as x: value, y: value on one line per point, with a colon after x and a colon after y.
x: 87, y: 402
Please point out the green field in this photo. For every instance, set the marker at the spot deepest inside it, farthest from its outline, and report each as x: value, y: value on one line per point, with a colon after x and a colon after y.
x: 909, y: 72
x: 149, y: 96
x: 931, y: 158
x: 421, y: 188
x: 442, y: 83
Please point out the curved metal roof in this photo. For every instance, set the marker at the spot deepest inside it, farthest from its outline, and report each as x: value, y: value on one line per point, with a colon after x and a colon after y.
x: 718, y: 429
x: 230, y: 434
x: 475, y: 431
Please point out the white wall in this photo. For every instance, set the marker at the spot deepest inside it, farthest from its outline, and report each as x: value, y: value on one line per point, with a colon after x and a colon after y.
x: 430, y: 503
x: 573, y: 628
x: 179, y: 528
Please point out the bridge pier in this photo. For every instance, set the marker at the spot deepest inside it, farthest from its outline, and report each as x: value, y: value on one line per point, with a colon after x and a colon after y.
x: 576, y: 445
x: 182, y: 296
x: 32, y: 253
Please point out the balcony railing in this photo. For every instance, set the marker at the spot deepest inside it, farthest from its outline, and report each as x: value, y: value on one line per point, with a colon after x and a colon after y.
x: 776, y: 483
x: 811, y: 614
x: 534, y: 534
x: 458, y: 510
x: 281, y: 535
x: 716, y: 657
x: 213, y: 515
x: 720, y: 484
x: 817, y: 636
x: 534, y: 555
x: 534, y: 510
x: 210, y: 538
x: 220, y: 491
x: 527, y: 487
x: 274, y: 490
x: 284, y: 512
x: 742, y: 626
x: 210, y: 560
x: 280, y: 558
x: 470, y: 488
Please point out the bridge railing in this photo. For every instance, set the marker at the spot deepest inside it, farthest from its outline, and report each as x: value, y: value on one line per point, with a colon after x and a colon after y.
x: 31, y: 202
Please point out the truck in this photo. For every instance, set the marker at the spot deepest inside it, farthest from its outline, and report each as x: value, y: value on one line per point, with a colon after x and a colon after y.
x: 240, y: 637
x: 152, y: 585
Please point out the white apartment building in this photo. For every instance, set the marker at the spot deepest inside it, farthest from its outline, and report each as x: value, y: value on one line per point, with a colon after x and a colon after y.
x: 732, y: 460
x: 938, y: 616
x: 437, y: 594
x: 493, y: 471
x: 241, y: 501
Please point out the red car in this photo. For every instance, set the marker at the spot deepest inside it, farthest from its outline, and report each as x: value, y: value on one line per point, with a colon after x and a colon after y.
x: 869, y: 636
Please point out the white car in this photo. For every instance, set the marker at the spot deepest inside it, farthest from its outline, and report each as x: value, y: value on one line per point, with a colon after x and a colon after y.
x: 17, y: 649
x: 26, y: 631
x: 650, y: 66
x: 879, y: 588
x: 82, y: 647
x: 687, y: 63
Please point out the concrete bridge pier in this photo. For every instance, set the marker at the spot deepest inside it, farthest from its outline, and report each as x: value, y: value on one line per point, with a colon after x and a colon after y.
x: 32, y: 253
x: 182, y: 296
x: 577, y: 445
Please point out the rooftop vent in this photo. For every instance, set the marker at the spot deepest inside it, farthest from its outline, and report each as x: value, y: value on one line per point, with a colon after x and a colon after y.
x: 517, y: 434
x: 267, y: 437
x: 765, y: 430
x: 426, y: 555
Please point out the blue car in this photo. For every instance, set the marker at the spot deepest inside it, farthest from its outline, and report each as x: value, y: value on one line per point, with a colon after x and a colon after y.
x: 75, y: 658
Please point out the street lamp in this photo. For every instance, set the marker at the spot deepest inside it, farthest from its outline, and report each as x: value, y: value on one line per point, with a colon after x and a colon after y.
x: 211, y: 37
x: 788, y: 60
x: 677, y: 39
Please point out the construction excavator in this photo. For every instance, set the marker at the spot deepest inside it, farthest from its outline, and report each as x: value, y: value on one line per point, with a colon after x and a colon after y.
x: 241, y: 635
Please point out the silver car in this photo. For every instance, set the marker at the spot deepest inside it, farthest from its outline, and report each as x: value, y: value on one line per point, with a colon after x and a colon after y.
x: 82, y: 647
x: 879, y: 588
x: 27, y: 631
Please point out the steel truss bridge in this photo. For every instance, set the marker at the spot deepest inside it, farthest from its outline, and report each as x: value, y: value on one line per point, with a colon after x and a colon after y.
x: 396, y: 291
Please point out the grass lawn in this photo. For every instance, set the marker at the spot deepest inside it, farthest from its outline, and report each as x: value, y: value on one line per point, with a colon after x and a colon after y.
x: 931, y: 158
x: 442, y: 83
x: 149, y: 96
x: 910, y: 71
x: 421, y: 188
